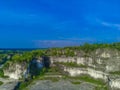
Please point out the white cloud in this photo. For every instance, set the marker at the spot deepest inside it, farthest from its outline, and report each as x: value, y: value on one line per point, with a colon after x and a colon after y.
x: 111, y: 25
x: 61, y: 43
x: 108, y: 24
x: 96, y: 21
x: 78, y: 39
x: 55, y: 43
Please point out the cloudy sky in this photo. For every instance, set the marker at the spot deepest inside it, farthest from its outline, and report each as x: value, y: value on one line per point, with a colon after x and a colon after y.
x: 51, y: 23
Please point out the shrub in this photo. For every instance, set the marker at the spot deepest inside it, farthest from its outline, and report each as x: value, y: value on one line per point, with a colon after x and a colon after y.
x: 1, y: 73
x: 1, y: 83
x: 75, y: 82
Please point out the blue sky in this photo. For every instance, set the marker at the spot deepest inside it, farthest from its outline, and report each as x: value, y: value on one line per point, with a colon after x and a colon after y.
x: 51, y: 23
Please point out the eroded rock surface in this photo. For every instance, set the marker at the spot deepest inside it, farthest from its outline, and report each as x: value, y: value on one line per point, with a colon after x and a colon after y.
x: 60, y: 85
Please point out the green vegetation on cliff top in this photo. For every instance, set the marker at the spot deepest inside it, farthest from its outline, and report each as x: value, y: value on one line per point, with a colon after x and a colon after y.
x: 27, y: 56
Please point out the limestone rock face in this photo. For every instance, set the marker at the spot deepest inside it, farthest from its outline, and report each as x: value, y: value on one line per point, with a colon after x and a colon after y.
x: 106, y: 60
x: 22, y: 70
x: 15, y: 70
x: 99, y: 64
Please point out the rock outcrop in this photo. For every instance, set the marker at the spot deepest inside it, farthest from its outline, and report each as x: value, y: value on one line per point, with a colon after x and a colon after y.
x: 100, y: 63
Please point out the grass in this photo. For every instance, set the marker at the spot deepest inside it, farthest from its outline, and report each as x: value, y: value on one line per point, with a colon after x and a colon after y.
x: 53, y: 70
x: 1, y: 73
x: 1, y: 83
x: 100, y: 84
x: 91, y: 80
x: 101, y: 88
x: 53, y: 79
x: 75, y: 82
x: 23, y: 85
x: 116, y: 72
x: 71, y: 64
x: 87, y: 78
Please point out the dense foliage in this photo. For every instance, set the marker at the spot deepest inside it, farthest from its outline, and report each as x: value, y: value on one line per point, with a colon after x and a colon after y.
x: 86, y: 48
x: 20, y: 56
